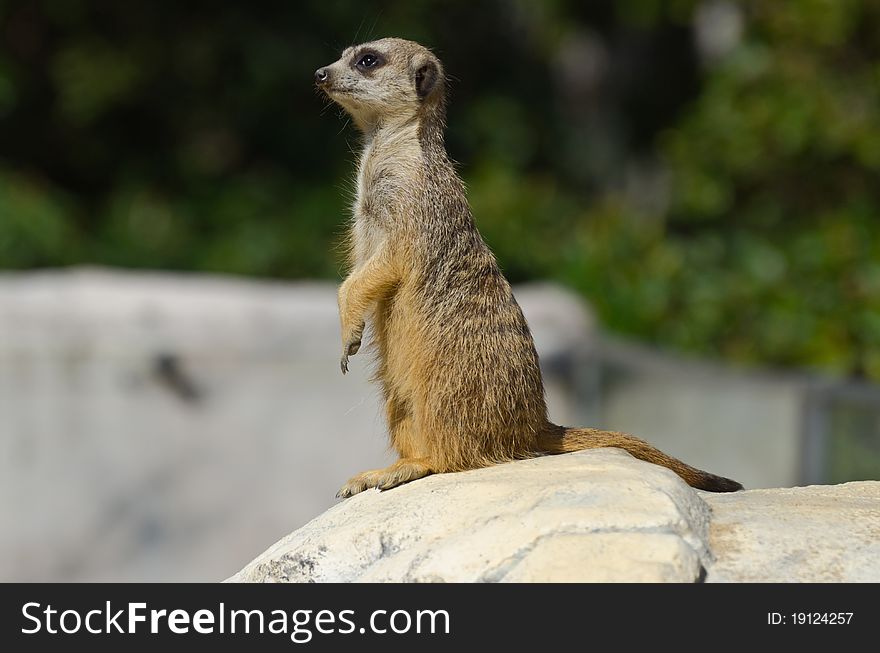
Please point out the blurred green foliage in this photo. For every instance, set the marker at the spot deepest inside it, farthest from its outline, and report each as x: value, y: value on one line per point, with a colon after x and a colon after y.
x: 724, y: 202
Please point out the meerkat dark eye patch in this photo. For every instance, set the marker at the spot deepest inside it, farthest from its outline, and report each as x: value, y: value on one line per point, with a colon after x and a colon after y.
x: 426, y: 79
x: 366, y: 61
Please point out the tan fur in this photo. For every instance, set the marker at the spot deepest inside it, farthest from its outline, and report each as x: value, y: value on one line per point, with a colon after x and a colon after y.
x: 456, y: 361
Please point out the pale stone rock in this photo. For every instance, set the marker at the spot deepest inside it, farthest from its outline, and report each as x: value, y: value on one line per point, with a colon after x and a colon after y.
x: 591, y: 516
x: 596, y: 515
x: 820, y: 533
x: 609, y: 557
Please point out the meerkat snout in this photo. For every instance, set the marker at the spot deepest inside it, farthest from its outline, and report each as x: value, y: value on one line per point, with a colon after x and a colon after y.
x: 321, y: 76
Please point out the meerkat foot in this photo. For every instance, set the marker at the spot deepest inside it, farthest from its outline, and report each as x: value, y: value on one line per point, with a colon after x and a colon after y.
x: 360, y: 482
x: 403, y: 471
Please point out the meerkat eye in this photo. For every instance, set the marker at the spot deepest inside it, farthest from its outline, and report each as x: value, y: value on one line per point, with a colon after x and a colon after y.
x: 368, y: 60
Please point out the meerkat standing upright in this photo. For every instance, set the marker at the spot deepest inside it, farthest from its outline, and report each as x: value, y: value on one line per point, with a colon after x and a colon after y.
x: 456, y: 361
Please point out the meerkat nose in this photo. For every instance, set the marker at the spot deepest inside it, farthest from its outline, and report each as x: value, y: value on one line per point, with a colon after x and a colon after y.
x: 322, y: 75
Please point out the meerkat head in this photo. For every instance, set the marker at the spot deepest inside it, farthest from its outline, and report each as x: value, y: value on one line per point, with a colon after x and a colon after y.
x: 383, y: 81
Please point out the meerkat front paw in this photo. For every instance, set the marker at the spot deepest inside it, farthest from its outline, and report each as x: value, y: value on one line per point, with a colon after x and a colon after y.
x: 350, y: 347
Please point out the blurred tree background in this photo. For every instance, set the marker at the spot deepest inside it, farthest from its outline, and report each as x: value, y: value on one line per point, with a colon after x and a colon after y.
x: 705, y: 172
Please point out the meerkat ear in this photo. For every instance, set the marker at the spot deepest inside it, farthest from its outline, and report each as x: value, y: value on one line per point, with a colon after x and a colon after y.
x: 426, y: 79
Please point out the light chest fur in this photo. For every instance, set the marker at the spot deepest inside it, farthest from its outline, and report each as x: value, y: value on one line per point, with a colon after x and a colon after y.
x: 387, y: 169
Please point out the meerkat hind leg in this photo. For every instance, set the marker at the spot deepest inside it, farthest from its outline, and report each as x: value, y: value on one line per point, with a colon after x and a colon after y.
x: 403, y: 471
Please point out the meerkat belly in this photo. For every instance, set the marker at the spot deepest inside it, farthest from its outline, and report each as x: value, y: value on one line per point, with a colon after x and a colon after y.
x: 470, y: 376
x: 399, y: 331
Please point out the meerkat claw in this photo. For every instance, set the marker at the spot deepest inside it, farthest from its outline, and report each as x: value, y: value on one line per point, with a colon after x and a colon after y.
x: 349, y: 349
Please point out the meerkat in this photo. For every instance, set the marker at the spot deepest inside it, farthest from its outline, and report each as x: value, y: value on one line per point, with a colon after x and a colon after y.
x: 456, y: 361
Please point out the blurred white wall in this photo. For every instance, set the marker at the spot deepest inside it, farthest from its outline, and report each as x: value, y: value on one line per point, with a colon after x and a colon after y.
x: 169, y: 427
x: 747, y: 425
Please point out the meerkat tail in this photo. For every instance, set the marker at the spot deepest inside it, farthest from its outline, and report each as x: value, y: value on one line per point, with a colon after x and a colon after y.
x: 566, y: 440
